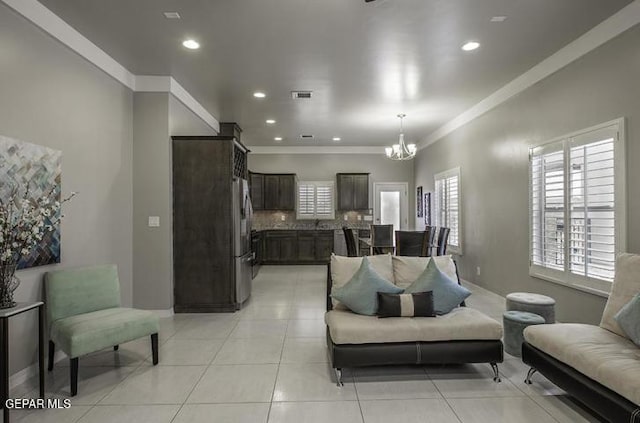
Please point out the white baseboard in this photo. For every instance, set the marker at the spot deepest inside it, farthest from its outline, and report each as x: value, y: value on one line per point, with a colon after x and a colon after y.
x: 28, y: 372
x: 164, y: 313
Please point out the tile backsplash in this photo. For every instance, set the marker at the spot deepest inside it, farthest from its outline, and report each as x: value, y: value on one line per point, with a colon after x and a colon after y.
x: 263, y: 220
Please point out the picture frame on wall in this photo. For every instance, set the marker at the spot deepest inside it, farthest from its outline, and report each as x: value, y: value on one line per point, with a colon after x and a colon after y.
x: 427, y: 209
x: 419, y: 206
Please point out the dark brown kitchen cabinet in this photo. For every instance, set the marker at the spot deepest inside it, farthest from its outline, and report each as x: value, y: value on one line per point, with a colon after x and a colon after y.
x: 256, y: 182
x: 203, y: 232
x: 298, y: 247
x: 278, y: 191
x: 306, y: 246
x: 353, y: 191
x: 323, y: 246
x: 280, y: 246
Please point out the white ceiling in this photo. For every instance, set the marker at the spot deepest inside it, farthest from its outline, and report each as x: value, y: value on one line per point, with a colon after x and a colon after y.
x: 365, y: 62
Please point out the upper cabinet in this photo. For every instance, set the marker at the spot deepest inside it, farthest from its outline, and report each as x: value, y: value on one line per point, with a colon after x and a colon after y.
x: 353, y: 191
x: 256, y: 184
x: 273, y: 191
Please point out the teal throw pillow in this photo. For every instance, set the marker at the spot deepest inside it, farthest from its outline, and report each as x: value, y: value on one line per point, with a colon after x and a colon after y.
x: 447, y: 293
x: 360, y: 294
x: 629, y: 319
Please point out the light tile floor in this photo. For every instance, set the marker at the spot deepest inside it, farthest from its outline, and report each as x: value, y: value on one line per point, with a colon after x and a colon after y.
x: 268, y: 363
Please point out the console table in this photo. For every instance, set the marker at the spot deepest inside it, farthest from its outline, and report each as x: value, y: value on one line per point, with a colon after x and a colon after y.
x: 5, y: 315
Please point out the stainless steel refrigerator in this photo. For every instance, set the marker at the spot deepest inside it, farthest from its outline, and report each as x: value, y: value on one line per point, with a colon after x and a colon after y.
x: 243, y: 256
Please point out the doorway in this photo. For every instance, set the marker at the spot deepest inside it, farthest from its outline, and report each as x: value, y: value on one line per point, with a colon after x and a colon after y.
x: 391, y: 204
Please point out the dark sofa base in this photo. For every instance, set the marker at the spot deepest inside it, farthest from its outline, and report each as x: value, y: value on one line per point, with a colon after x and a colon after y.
x: 602, y: 400
x: 446, y: 352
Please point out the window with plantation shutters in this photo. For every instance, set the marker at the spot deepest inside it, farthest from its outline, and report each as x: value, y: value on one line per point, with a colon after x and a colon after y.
x: 316, y: 200
x: 447, y: 206
x: 577, y: 207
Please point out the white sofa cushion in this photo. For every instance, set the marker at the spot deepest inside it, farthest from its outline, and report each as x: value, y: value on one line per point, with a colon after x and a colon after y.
x: 407, y: 269
x: 625, y: 287
x: 343, y: 269
x: 461, y: 324
x: 599, y: 354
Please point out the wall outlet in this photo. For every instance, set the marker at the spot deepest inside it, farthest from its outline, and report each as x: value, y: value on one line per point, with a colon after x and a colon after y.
x: 283, y: 218
x: 359, y: 217
x: 346, y: 217
x: 154, y: 221
x: 478, y: 271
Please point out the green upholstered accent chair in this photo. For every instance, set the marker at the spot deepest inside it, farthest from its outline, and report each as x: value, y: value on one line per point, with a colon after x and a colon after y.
x: 83, y: 308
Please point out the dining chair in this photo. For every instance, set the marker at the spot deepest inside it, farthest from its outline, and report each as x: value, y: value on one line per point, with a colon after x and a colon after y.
x: 381, y: 238
x: 443, y: 239
x: 412, y: 243
x: 431, y: 236
x: 350, y: 238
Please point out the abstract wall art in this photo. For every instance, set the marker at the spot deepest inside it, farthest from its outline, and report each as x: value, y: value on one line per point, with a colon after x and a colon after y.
x: 39, y: 168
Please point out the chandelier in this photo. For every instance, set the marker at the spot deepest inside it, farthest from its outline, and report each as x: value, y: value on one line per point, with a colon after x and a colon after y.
x: 401, y: 151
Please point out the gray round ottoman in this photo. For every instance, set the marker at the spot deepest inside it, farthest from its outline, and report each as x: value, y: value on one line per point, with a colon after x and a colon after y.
x: 514, y: 324
x: 533, y: 303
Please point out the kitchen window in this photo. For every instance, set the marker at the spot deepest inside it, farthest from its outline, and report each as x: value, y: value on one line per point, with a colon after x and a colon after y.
x: 577, y: 207
x: 447, y: 206
x: 316, y: 200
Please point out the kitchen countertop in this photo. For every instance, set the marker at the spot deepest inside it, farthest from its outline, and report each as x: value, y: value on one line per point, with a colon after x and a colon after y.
x: 307, y: 229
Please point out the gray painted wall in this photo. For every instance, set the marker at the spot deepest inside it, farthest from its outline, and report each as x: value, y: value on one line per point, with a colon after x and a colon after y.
x: 157, y: 116
x: 52, y: 97
x: 323, y: 167
x: 492, y: 152
x: 151, y: 197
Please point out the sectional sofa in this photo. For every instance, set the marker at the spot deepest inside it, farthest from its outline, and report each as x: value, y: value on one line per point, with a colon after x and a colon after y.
x: 464, y: 335
x: 598, y: 365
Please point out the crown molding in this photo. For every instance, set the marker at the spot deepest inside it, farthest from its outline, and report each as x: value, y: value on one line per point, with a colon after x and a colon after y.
x: 315, y: 150
x: 53, y: 25
x: 166, y: 84
x: 608, y: 29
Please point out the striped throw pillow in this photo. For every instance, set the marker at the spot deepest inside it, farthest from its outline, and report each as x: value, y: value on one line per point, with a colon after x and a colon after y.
x: 419, y: 304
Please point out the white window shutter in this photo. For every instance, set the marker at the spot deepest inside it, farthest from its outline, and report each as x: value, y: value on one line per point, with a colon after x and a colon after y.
x: 547, y: 207
x: 306, y: 200
x: 316, y: 200
x: 592, y: 208
x: 577, y: 208
x: 447, y: 205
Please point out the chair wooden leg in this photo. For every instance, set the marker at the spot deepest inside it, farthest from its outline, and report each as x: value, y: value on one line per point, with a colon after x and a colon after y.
x: 52, y: 352
x: 154, y: 348
x: 74, y: 376
x: 115, y: 347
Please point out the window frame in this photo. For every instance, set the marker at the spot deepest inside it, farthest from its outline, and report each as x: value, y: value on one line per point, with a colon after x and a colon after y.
x: 451, y: 248
x: 566, y: 277
x: 315, y: 215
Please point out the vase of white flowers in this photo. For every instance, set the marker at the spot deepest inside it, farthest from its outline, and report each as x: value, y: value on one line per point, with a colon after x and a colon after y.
x: 24, y: 222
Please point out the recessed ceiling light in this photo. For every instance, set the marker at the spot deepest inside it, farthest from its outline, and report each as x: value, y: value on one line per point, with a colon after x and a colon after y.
x: 270, y: 121
x: 171, y: 15
x: 191, y: 44
x: 498, y: 19
x: 337, y: 138
x: 277, y: 139
x: 259, y: 94
x: 470, y: 45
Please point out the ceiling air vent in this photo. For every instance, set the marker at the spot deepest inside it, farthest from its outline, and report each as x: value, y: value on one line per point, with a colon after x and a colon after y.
x: 306, y: 136
x: 171, y: 15
x: 301, y: 95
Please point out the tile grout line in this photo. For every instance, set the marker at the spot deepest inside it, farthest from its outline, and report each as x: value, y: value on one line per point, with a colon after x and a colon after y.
x: 355, y: 387
x: 275, y: 382
x: 195, y: 385
x: 442, y: 395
